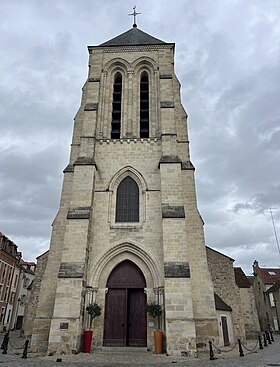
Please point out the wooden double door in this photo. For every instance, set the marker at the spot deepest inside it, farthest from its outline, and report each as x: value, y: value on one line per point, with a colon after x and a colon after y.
x: 125, y: 322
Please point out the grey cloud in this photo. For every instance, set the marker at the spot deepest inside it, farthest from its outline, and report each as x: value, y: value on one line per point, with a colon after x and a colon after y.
x: 227, y: 60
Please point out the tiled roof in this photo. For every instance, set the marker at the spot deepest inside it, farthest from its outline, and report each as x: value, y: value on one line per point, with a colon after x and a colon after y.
x: 220, y: 304
x: 134, y: 36
x: 240, y: 278
x: 268, y: 275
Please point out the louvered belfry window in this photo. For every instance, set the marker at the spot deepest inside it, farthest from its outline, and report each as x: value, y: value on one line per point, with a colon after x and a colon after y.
x: 144, y: 105
x: 127, y: 206
x: 116, y: 108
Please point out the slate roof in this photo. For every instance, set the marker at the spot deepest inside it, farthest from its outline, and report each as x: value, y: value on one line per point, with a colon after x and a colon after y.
x: 134, y: 36
x: 220, y: 304
x: 240, y: 278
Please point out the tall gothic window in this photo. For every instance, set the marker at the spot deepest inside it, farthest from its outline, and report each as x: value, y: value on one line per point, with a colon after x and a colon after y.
x: 127, y: 205
x: 144, y: 105
x: 116, y: 107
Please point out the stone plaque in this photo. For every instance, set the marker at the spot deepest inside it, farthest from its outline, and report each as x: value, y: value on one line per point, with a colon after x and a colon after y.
x: 78, y: 213
x: 167, y: 104
x: 165, y: 76
x: 91, y: 107
x: 71, y: 270
x: 173, y: 211
x: 64, y: 326
x: 176, y: 270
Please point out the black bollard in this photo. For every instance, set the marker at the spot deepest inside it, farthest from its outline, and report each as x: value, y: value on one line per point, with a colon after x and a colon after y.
x: 271, y: 336
x: 211, y: 351
x: 241, y: 354
x: 260, y: 342
x: 268, y: 337
x: 3, y: 341
x: 264, y: 341
x: 24, y: 354
x: 4, y: 345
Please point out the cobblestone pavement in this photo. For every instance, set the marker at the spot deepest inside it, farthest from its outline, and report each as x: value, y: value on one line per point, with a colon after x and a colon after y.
x: 269, y: 356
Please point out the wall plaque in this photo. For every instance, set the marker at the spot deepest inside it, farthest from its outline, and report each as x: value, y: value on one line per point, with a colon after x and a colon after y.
x: 64, y: 326
x: 176, y: 270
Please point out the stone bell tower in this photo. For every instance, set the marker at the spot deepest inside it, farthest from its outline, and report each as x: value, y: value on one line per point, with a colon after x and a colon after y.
x: 128, y: 230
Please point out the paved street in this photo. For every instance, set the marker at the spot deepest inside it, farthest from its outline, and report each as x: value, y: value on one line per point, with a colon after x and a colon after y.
x: 269, y: 356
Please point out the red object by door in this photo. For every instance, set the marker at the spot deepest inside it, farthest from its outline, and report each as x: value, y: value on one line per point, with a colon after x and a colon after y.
x: 87, y: 340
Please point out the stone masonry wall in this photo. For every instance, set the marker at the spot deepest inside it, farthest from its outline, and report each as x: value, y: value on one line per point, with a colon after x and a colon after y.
x: 222, y: 273
x: 32, y: 304
x: 249, y: 313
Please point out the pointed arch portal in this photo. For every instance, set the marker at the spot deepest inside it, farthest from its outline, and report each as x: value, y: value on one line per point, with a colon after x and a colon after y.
x: 125, y: 322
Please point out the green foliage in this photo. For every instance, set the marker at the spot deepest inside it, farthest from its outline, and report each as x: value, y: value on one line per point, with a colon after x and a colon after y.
x: 154, y: 309
x: 94, y: 310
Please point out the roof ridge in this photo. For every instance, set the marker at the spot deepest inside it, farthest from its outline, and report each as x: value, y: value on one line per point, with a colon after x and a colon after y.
x: 133, y: 36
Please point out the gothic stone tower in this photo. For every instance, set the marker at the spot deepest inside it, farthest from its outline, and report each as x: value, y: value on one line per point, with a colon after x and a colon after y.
x: 128, y: 230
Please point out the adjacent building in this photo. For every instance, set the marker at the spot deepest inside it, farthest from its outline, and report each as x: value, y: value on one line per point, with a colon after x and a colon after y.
x: 33, y: 299
x: 266, y: 290
x: 9, y: 274
x: 234, y: 299
x: 248, y: 304
x: 27, y: 273
x: 16, y: 277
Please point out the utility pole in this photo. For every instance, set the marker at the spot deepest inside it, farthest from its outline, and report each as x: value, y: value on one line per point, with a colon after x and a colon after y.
x: 275, y: 233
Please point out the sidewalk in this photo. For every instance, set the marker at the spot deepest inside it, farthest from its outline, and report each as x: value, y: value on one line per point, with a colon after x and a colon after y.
x: 269, y: 356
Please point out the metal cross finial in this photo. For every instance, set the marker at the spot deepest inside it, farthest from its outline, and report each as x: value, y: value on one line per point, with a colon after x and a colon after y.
x: 134, y: 16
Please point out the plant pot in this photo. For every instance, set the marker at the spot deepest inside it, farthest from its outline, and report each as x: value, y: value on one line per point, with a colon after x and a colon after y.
x: 87, y: 340
x: 158, y: 336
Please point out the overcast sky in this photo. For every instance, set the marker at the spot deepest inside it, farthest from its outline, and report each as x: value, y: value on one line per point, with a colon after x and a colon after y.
x: 228, y: 62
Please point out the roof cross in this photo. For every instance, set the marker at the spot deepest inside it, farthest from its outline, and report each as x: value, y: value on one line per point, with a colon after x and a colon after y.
x: 134, y: 16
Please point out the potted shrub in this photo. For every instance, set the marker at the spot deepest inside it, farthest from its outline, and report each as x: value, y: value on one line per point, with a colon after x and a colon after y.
x: 155, y: 310
x: 93, y: 310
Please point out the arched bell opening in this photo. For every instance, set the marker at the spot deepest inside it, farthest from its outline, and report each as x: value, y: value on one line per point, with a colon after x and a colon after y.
x: 125, y: 321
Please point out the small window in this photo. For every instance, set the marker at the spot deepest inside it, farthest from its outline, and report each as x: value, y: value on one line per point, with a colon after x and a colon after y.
x: 116, y: 107
x: 4, y: 271
x: 127, y: 203
x: 144, y: 105
x: 10, y: 273
x: 271, y: 273
x: 12, y: 297
x: 16, y: 280
x: 26, y: 282
x: 9, y: 315
x: 22, y: 299
x: 271, y: 299
x: 2, y: 314
x: 6, y: 293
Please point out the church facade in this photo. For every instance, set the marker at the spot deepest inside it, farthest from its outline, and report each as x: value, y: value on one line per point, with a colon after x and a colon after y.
x: 128, y: 230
